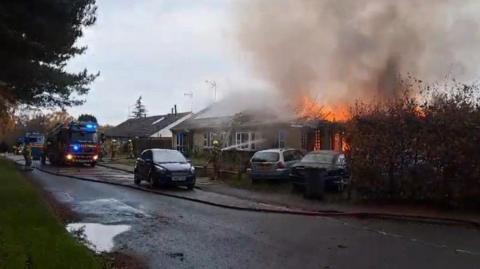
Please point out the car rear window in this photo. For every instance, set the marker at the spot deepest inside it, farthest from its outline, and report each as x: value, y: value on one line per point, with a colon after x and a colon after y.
x: 265, y: 157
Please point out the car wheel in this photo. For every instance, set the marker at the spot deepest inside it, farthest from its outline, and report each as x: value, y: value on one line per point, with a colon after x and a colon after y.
x: 43, y: 161
x: 190, y: 187
x: 93, y: 164
x: 152, y: 181
x: 136, y: 178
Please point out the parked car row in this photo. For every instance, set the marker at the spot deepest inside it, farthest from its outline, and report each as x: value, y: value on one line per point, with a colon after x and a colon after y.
x: 292, y: 164
x: 164, y: 167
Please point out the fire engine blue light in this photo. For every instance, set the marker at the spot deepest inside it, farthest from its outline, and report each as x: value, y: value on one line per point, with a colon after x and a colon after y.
x: 91, y: 126
x: 76, y: 147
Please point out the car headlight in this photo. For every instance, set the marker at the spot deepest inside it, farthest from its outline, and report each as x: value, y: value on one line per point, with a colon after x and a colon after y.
x: 192, y: 169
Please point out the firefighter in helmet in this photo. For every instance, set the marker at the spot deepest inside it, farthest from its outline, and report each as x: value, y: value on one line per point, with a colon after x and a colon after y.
x: 215, y: 158
x: 27, y: 155
x: 131, y: 153
x: 113, y: 148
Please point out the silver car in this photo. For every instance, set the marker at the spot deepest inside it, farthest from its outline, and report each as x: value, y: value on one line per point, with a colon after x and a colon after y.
x: 273, y: 163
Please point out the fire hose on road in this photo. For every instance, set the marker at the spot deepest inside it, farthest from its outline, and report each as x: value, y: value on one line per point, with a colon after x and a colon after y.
x: 326, y: 213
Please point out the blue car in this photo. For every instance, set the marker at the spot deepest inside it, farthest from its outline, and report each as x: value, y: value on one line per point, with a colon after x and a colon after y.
x: 164, y: 167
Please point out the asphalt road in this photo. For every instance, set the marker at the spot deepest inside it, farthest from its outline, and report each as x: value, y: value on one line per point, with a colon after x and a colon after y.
x: 173, y: 233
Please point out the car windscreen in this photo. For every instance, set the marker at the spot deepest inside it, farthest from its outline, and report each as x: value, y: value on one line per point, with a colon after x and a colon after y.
x: 319, y: 158
x: 83, y: 137
x: 265, y: 157
x: 167, y: 156
x: 33, y: 140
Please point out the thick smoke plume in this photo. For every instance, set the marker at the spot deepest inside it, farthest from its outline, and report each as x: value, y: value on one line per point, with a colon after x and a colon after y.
x: 341, y: 50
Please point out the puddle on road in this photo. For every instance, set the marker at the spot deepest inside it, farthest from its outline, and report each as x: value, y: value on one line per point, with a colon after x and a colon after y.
x: 98, y: 237
x: 109, y: 210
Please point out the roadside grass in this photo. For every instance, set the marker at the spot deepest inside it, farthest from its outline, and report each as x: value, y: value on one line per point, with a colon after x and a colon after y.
x: 30, y: 235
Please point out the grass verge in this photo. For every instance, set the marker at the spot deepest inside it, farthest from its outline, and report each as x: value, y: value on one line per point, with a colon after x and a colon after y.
x: 30, y: 235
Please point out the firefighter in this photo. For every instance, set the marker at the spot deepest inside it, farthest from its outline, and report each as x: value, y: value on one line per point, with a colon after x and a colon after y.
x: 27, y: 155
x: 215, y: 158
x: 113, y: 148
x: 103, y: 149
x: 131, y: 153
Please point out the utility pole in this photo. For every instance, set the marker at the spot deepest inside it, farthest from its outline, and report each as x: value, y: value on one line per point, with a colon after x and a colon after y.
x: 213, y: 85
x: 190, y: 94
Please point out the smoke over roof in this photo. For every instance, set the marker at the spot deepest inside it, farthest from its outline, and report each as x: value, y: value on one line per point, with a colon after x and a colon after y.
x: 341, y: 50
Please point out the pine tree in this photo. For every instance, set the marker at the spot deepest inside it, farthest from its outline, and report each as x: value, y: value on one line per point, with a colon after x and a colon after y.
x: 37, y: 39
x: 140, y: 111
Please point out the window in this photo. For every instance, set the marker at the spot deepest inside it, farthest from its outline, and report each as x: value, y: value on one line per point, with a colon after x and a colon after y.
x: 318, y: 140
x: 265, y: 156
x: 83, y: 137
x: 292, y: 155
x: 282, y: 139
x: 208, y: 139
x: 168, y: 156
x: 298, y: 155
x: 245, y: 140
x: 225, y: 139
x: 318, y: 157
x: 252, y: 141
x: 341, y: 160
x: 242, y: 140
x: 147, y: 155
x: 181, y: 142
x: 288, y: 156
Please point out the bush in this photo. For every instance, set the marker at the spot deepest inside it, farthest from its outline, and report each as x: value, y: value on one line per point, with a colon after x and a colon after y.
x: 423, y: 149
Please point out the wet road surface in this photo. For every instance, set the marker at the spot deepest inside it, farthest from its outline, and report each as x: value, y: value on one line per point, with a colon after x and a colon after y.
x: 174, y: 233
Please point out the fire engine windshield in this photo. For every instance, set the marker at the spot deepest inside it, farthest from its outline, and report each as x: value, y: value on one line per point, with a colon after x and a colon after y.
x: 83, y: 137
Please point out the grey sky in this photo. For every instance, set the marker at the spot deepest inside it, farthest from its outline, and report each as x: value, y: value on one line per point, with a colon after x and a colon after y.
x: 160, y: 50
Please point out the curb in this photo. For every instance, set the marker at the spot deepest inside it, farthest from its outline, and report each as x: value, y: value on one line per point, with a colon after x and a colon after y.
x: 360, y: 215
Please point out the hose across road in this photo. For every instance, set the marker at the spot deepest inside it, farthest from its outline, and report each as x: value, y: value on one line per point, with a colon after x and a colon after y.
x: 325, y: 213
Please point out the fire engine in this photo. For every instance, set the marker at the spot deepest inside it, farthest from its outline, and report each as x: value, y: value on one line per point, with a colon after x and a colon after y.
x: 72, y: 143
x: 36, y: 141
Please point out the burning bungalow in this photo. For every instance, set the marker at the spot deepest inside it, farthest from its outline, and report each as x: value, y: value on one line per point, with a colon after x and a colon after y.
x: 253, y: 130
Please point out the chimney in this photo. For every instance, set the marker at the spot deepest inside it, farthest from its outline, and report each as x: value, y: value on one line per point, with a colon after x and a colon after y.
x: 172, y: 110
x: 175, y: 108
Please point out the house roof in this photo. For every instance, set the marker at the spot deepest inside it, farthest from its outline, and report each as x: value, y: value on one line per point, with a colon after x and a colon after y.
x: 144, y: 127
x: 205, y: 119
x: 246, y: 118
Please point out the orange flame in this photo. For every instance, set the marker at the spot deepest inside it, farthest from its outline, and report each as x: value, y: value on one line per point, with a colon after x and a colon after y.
x: 311, y: 109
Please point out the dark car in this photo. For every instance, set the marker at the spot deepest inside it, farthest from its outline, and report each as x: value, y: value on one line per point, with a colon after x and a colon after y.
x: 164, y: 167
x: 332, y: 162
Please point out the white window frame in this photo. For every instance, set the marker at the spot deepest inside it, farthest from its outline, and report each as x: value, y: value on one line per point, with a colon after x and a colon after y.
x: 282, y: 138
x: 207, y: 140
x: 249, y: 143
